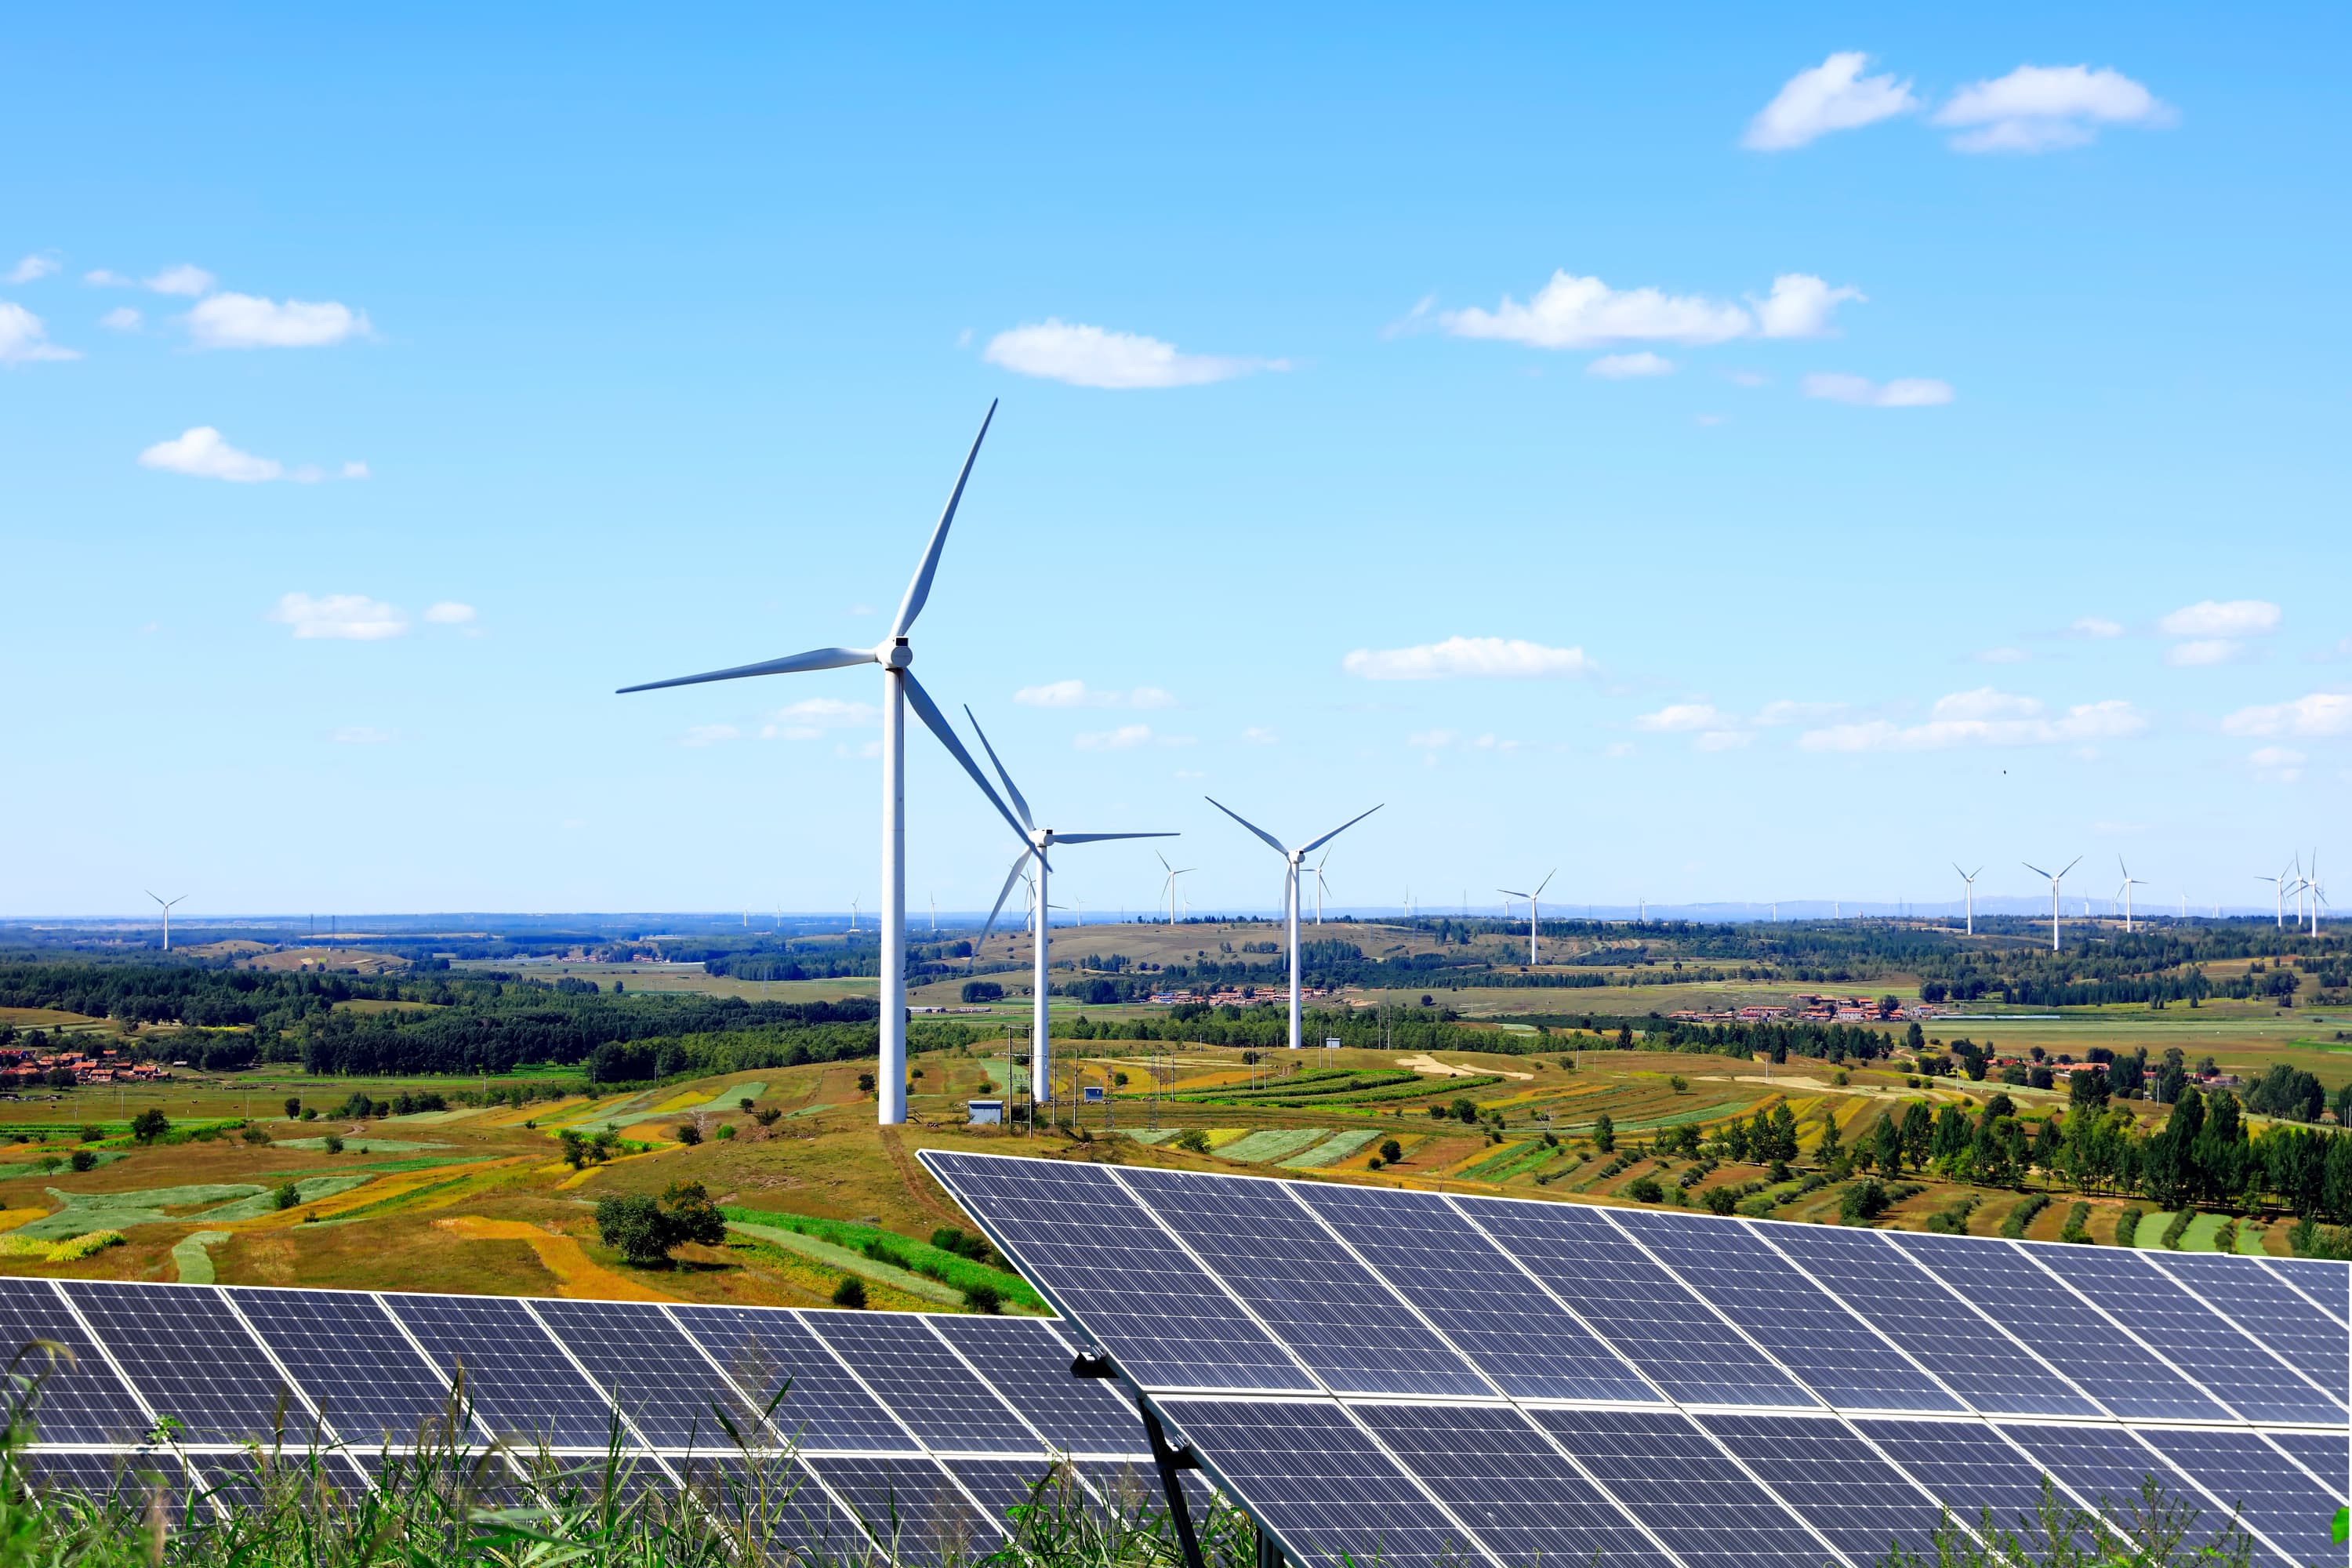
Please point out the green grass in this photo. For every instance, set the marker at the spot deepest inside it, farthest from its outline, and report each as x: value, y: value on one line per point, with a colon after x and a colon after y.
x: 1338, y: 1146
x: 871, y: 1243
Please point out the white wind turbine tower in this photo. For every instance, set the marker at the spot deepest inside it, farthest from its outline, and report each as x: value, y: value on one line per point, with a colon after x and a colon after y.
x: 1035, y: 841
x: 2278, y: 896
x: 2130, y: 883
x: 167, y: 904
x: 853, y: 915
x: 1291, y: 858
x: 899, y: 687
x: 1168, y: 888
x: 2054, y: 894
x: 1321, y: 886
x: 1969, y: 879
x: 1532, y: 915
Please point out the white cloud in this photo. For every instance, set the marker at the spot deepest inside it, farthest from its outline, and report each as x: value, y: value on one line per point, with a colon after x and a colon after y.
x: 32, y: 270
x: 103, y: 278
x: 1572, y: 312
x: 826, y: 713
x: 1622, y: 367
x: 1091, y: 356
x: 201, y: 454
x: 355, y: 471
x: 2094, y: 627
x: 2036, y: 107
x: 2001, y: 656
x: 710, y: 735
x: 1983, y: 717
x: 1831, y: 96
x: 1785, y: 712
x: 353, y: 617
x: 2233, y: 618
x: 121, y: 318
x: 2275, y: 756
x: 1682, y: 716
x: 1904, y: 392
x: 361, y: 735
x: 248, y: 322
x: 2204, y: 651
x: 1126, y: 737
x: 1258, y: 735
x: 2321, y: 713
x: 1618, y: 749
x: 23, y: 339
x: 450, y: 612
x: 1493, y: 743
x: 1431, y: 740
x: 1723, y: 739
x: 1079, y: 694
x: 1799, y: 306
x: 1751, y: 378
x: 191, y: 282
x: 1482, y: 657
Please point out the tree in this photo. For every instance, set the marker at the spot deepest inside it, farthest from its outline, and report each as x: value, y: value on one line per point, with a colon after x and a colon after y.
x: 1886, y: 1145
x: 688, y: 1133
x: 1829, y: 1153
x: 287, y: 1195
x: 643, y: 1230
x: 1465, y: 1109
x: 850, y: 1292
x: 1391, y: 1150
x: 1862, y: 1202
x: 1604, y: 1133
x: 84, y: 1160
x: 1784, y: 1132
x: 575, y: 1147
x: 2089, y: 1087
x: 149, y: 1124
x: 1918, y: 1134
x: 293, y: 1107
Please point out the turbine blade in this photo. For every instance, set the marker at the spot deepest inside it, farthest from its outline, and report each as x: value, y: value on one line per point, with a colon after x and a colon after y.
x: 792, y: 664
x: 1271, y: 841
x: 1010, y: 788
x: 1164, y: 862
x: 1513, y: 892
x: 919, y: 589
x: 1545, y: 882
x: 2072, y: 864
x: 929, y: 711
x: 1002, y: 893
x: 1103, y: 837
x: 2034, y: 868
x: 1334, y: 833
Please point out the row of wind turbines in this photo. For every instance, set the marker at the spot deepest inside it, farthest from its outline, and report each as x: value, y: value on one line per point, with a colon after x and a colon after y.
x: 2310, y: 897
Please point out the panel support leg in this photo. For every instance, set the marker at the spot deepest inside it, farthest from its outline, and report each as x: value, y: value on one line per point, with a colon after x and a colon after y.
x: 1169, y: 1464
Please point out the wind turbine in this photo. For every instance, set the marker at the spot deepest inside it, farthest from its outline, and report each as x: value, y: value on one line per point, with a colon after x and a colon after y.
x: 1291, y: 858
x: 2054, y: 894
x: 899, y: 687
x: 853, y: 915
x: 1969, y: 879
x: 1168, y: 888
x: 1035, y: 841
x: 1321, y: 886
x: 2130, y: 883
x: 167, y: 904
x: 1532, y: 916
x: 2278, y: 896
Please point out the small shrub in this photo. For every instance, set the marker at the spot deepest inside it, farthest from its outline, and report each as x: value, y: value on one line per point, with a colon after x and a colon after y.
x: 2024, y: 1214
x: 309, y: 1113
x: 1645, y: 1190
x: 1720, y: 1200
x: 287, y: 1195
x: 865, y: 1083
x: 2178, y: 1228
x: 2078, y: 1224
x: 1677, y: 1082
x: 850, y: 1292
x: 1373, y: 1164
x: 293, y: 1106
x: 333, y: 1143
x: 726, y: 1131
x: 1862, y: 1202
x: 983, y: 1297
x: 688, y: 1133
x: 91, y: 1135
x: 81, y: 1247
x: 766, y: 1117
x: 83, y: 1159
x: 1193, y: 1141
x: 2128, y: 1226
x: 1391, y: 1150
x: 253, y: 1134
x: 744, y: 1103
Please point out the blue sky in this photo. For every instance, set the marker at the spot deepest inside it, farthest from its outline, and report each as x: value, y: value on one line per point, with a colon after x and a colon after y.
x: 1667, y: 448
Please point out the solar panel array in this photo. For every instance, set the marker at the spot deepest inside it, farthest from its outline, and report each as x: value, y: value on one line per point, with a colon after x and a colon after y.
x: 1412, y: 1376
x: 906, y: 1431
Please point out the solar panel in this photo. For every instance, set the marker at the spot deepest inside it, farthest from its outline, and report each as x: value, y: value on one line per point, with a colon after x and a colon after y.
x: 766, y: 1351
x: 1709, y: 1391
x: 347, y: 1352
x: 80, y: 1399
x: 1512, y: 1328
x: 2328, y: 1284
x: 931, y: 1389
x: 1028, y: 1365
x: 1680, y: 1343
x: 1802, y: 1326
x: 669, y: 1388
x: 133, y: 1478
x: 521, y: 1384
x: 2259, y: 1300
x: 193, y: 1363
x: 2242, y: 1472
x: 779, y: 1504
x: 913, y: 1507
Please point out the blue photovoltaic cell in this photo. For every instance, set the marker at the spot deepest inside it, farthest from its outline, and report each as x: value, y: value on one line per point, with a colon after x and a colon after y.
x: 2327, y: 1455
x: 2180, y: 1328
x: 2104, y: 1466
x: 1964, y: 1465
x: 1028, y: 1363
x: 1843, y: 1360
x: 1708, y: 1511
x: 913, y: 1507
x: 520, y: 1383
x: 808, y: 1527
x: 1974, y: 1359
x: 1998, y: 1278
x: 1505, y: 1324
x: 663, y: 1384
x: 1315, y: 1298
x: 1834, y: 1480
x: 2244, y: 1474
x: 1076, y: 1231
x: 352, y: 1359
x: 763, y: 1350
x: 82, y: 1399
x: 1003, y: 1485
x: 913, y: 1374
x: 2266, y: 1307
x: 1321, y: 1486
x: 193, y: 1361
x: 2329, y: 1284
x: 1503, y: 1479
x: 1684, y: 1347
x: 97, y: 1477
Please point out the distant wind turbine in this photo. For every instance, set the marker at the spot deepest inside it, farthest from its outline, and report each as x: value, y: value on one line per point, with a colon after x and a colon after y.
x: 2278, y: 896
x: 896, y: 655
x: 1291, y: 858
x: 1321, y: 886
x: 1036, y: 841
x: 167, y: 904
x: 2130, y: 883
x: 1969, y: 879
x: 1168, y: 888
x: 1532, y: 915
x: 2054, y: 894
